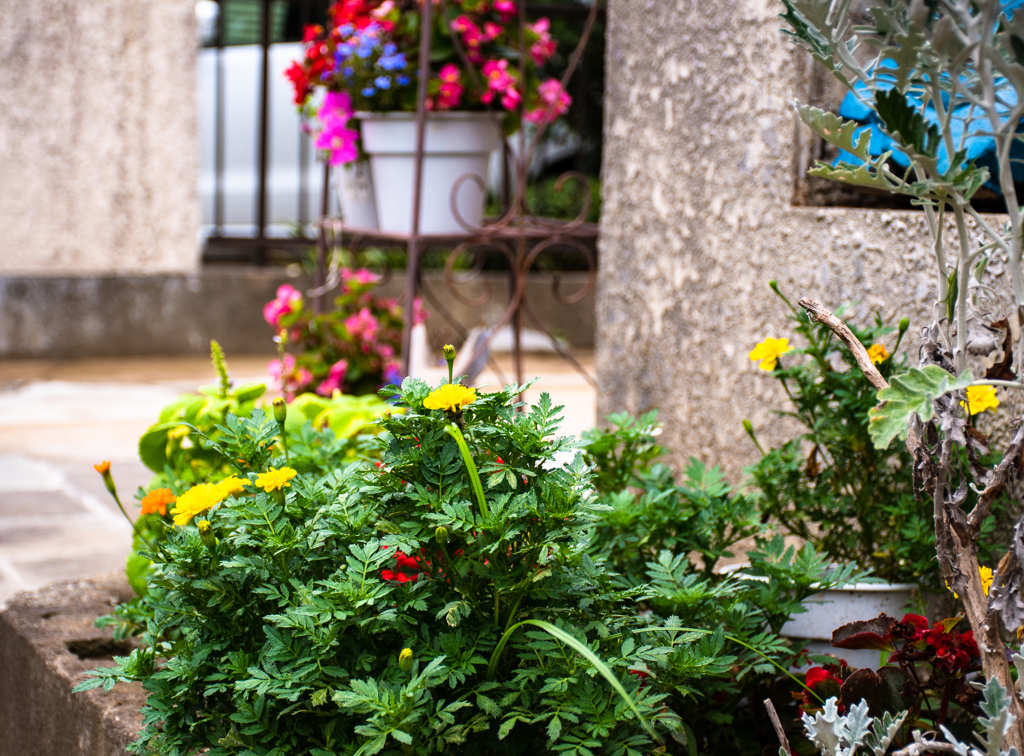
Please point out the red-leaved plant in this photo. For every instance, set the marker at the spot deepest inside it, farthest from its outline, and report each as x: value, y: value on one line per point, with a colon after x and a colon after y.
x: 925, y: 671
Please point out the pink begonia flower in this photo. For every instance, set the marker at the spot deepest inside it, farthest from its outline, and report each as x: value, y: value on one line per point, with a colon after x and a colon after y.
x: 506, y: 9
x: 472, y: 37
x: 338, y: 140
x: 334, y: 378
x: 511, y: 99
x: 363, y: 325
x: 555, y: 101
x: 276, y: 370
x: 337, y: 105
x: 545, y: 46
x: 386, y: 351
x: 385, y: 8
x: 419, y: 315
x: 450, y: 73
x: 491, y: 31
x: 288, y: 300
x: 449, y: 96
x: 391, y: 305
x: 361, y: 276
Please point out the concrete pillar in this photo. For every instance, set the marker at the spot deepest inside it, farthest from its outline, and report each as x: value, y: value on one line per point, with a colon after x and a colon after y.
x: 98, y: 137
x: 702, y: 164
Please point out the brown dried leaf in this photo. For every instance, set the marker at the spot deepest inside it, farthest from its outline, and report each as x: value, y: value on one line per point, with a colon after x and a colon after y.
x: 1002, y: 370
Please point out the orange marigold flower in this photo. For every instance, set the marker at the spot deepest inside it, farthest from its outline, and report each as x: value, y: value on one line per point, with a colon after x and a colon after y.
x: 157, y: 501
x: 102, y: 468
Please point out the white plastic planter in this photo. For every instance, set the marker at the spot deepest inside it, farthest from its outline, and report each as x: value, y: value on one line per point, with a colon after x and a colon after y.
x: 457, y: 144
x: 831, y: 609
x: 354, y: 185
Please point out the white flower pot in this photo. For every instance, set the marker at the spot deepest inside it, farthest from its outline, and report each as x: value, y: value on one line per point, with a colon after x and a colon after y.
x: 354, y: 185
x: 457, y: 144
x: 831, y: 609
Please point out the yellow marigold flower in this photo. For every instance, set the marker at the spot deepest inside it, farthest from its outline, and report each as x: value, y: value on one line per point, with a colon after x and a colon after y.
x: 274, y: 479
x: 986, y: 578
x: 197, y: 500
x: 986, y: 582
x: 157, y: 501
x: 878, y: 353
x: 769, y: 351
x: 232, y: 485
x: 980, y: 398
x: 451, y: 396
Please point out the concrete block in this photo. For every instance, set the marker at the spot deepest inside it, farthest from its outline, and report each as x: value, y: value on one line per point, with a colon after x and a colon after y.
x: 47, y: 644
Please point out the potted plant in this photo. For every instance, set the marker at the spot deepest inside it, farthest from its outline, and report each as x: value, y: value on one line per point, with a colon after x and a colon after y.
x: 352, y: 349
x: 830, y: 486
x: 364, y: 68
x: 944, y: 85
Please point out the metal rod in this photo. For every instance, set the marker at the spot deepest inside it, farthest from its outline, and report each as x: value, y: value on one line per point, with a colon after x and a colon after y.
x: 303, y: 144
x: 412, y: 263
x: 320, y: 276
x: 218, y: 170
x: 261, y: 199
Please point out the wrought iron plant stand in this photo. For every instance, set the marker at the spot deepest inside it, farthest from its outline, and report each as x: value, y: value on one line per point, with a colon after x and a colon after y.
x: 518, y: 234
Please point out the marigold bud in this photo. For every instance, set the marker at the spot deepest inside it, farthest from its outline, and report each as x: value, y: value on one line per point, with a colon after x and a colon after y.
x: 449, y: 352
x: 280, y: 410
x: 904, y: 325
x: 405, y: 659
x: 206, y: 533
x: 441, y: 534
x: 103, y: 468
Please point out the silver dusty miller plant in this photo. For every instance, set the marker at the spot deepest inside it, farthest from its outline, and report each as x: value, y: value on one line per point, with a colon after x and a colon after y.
x: 943, y: 81
x: 836, y: 735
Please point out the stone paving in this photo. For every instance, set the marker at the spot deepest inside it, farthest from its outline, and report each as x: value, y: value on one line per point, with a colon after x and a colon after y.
x: 58, y: 418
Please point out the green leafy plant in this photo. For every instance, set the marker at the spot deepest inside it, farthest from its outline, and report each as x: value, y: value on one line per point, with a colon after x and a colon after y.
x: 669, y: 539
x: 442, y: 600
x: 832, y: 485
x: 941, y: 83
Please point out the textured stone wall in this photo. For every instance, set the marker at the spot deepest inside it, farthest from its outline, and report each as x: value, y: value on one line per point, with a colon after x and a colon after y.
x: 98, y: 137
x: 701, y: 167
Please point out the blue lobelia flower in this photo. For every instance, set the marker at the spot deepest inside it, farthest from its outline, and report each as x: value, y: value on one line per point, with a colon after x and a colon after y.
x: 402, y: 80
x: 369, y: 92
x: 346, y: 30
x: 348, y: 71
x: 390, y: 48
x: 395, y: 62
x: 383, y: 82
x: 364, y: 50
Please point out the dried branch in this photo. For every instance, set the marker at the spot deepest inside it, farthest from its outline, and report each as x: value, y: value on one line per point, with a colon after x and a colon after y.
x: 777, y: 724
x: 818, y: 312
x: 1010, y: 466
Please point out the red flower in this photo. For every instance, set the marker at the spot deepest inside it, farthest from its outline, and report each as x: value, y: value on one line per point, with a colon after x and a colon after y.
x: 815, y: 675
x: 300, y: 82
x: 355, y: 12
x: 403, y: 562
x: 912, y: 627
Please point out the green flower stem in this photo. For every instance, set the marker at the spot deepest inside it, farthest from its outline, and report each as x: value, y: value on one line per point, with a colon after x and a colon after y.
x: 582, y: 650
x: 453, y: 431
x: 284, y: 445
x: 135, y: 525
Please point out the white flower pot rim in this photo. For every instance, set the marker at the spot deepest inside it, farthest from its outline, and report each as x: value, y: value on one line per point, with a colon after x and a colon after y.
x: 737, y: 571
x: 442, y: 115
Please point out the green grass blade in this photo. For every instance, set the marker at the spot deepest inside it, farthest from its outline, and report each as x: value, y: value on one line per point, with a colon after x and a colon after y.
x: 453, y: 431
x: 583, y: 651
